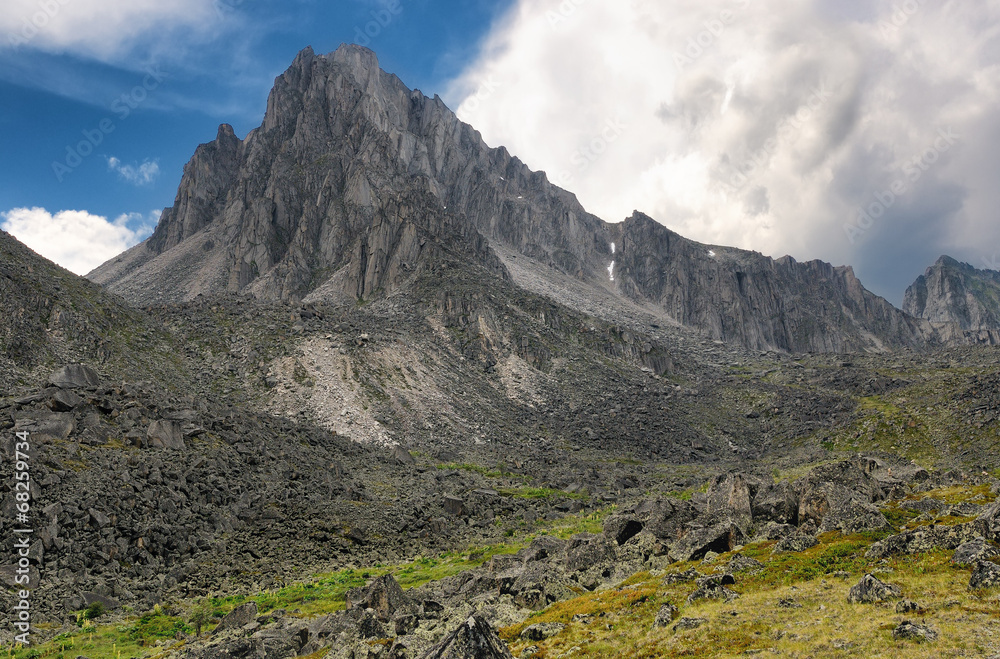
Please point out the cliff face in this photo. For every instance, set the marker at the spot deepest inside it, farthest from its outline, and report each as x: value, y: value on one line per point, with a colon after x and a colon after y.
x: 954, y: 292
x: 746, y: 298
x: 354, y: 182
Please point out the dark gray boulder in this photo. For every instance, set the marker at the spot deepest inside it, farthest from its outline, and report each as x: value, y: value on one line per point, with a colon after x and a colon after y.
x: 668, y: 518
x: 728, y: 499
x: 796, y: 543
x: 75, y: 376
x: 622, y: 528
x: 64, y: 400
x: 237, y: 618
x: 910, y: 631
x: 474, y: 639
x: 666, y: 615
x: 713, y: 587
x: 973, y: 551
x: 586, y: 551
x: 986, y: 575
x: 871, y: 590
x: 719, y: 538
x: 924, y: 539
x: 776, y: 502
x: 384, y: 596
x: 163, y: 433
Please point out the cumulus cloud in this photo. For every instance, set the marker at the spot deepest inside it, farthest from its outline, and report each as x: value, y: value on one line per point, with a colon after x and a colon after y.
x: 765, y: 124
x: 76, y: 240
x: 143, y: 174
x: 104, y: 29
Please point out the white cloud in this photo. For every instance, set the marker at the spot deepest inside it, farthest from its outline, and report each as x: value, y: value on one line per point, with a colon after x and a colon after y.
x: 143, y: 174
x: 763, y: 124
x: 104, y: 29
x: 76, y: 240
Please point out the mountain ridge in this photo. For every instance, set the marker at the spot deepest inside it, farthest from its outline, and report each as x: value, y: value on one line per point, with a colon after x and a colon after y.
x: 324, y: 194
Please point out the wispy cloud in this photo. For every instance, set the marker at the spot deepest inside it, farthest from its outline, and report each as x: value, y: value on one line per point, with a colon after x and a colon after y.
x: 136, y: 174
x: 77, y: 240
x: 101, y: 29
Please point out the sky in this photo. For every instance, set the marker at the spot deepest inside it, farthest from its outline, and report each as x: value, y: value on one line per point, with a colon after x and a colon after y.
x: 860, y: 132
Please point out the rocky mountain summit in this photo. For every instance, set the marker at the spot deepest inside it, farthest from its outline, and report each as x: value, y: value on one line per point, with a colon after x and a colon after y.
x: 956, y: 293
x: 354, y: 182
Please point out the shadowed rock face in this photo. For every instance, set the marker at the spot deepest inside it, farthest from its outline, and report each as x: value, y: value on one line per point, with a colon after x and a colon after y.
x: 354, y: 182
x: 953, y: 292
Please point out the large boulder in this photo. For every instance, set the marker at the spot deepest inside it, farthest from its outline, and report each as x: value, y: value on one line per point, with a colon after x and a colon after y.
x: 474, y: 639
x: 928, y: 538
x: 848, y: 512
x: 75, y: 376
x: 668, y: 518
x: 237, y: 618
x: 46, y: 424
x: 164, y: 433
x: 384, y: 595
x: 728, y: 498
x: 795, y: 543
x: 714, y: 588
x: 838, y: 485
x: 622, y: 528
x: 776, y: 502
x: 910, y: 631
x: 988, y: 522
x: 586, y: 551
x: 973, y: 551
x: 985, y: 575
x: 719, y: 538
x: 870, y: 590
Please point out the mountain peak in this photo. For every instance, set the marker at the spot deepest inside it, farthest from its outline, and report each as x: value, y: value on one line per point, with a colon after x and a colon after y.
x: 954, y: 292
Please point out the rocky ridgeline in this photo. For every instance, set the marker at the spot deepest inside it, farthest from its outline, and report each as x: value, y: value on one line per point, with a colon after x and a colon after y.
x: 354, y: 183
x: 454, y: 617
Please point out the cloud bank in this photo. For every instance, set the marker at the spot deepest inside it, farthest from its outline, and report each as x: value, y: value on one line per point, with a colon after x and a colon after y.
x: 856, y: 132
x: 76, y: 240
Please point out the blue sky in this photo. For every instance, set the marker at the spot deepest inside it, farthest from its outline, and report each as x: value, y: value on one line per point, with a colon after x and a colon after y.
x: 179, y: 83
x: 858, y: 132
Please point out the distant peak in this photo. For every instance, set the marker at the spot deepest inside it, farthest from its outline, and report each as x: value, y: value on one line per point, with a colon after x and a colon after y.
x: 947, y: 260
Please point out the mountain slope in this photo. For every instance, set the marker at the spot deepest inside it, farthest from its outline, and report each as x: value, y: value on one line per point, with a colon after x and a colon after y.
x: 51, y: 316
x: 352, y: 176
